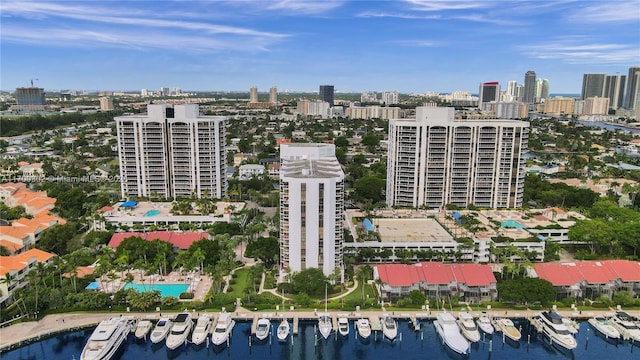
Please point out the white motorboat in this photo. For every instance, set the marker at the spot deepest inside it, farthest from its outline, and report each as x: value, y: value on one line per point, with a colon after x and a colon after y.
x: 628, y: 329
x: 223, y: 328
x: 484, y: 324
x: 605, y: 327
x: 571, y: 325
x: 343, y: 326
x: 263, y: 329
x: 555, y: 329
x: 364, y: 328
x: 389, y: 327
x: 508, y: 329
x: 324, y: 324
x: 161, y: 330
x: 180, y: 330
x: 468, y: 327
x: 143, y: 328
x: 107, y: 338
x: 449, y: 331
x: 283, y: 330
x: 201, y: 330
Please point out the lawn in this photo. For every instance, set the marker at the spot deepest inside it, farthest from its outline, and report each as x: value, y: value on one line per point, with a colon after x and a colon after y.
x: 357, y: 294
x: 241, y: 283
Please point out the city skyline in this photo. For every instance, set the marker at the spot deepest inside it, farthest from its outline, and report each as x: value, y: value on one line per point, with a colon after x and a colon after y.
x: 409, y: 46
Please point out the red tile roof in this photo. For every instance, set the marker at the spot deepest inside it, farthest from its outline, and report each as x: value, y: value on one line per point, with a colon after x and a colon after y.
x: 436, y: 273
x: 177, y: 239
x: 592, y: 272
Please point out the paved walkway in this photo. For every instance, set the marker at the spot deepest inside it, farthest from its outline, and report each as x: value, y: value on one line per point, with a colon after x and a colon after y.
x: 17, y: 333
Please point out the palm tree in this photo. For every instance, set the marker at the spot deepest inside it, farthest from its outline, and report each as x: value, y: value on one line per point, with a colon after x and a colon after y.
x: 363, y: 273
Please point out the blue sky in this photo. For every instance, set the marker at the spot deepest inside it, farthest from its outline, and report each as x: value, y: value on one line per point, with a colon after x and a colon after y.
x: 409, y: 46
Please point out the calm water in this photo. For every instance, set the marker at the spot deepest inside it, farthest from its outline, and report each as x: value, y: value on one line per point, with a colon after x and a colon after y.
x: 607, y: 126
x: 414, y: 345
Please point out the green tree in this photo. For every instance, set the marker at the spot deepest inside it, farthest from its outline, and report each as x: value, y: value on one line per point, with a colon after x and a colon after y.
x: 311, y: 281
x: 264, y: 248
x: 417, y: 297
x: 370, y: 187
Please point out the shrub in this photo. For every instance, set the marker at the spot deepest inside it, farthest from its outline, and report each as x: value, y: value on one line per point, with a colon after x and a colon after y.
x: 187, y: 295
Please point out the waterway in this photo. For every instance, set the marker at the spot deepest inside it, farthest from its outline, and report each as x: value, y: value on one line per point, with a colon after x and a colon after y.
x: 607, y: 126
x: 424, y: 344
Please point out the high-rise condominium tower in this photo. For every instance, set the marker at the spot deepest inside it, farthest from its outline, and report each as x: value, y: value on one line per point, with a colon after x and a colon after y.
x: 390, y: 97
x: 273, y: 95
x: 633, y: 88
x: 614, y: 90
x: 592, y: 85
x: 434, y: 160
x: 529, y: 95
x: 311, y: 207
x: 326, y: 93
x: 512, y: 88
x: 489, y: 91
x: 172, y: 151
x: 253, y: 94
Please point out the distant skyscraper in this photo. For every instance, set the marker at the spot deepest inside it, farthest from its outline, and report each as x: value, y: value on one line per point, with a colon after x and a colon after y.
x: 172, y: 151
x: 633, y: 88
x: 544, y: 92
x: 489, y: 91
x: 614, y: 90
x: 253, y: 95
x: 326, y: 93
x: 273, y: 95
x: 311, y: 207
x: 29, y: 99
x: 390, y: 97
x: 512, y: 88
x: 529, y: 95
x: 106, y: 103
x: 592, y: 85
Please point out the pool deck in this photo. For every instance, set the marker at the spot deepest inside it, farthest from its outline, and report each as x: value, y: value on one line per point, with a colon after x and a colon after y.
x: 198, y: 284
x: 26, y: 332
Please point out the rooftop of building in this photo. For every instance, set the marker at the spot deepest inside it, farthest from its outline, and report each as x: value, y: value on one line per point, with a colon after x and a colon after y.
x: 411, y: 230
x: 20, y: 261
x: 591, y: 272
x: 435, y: 273
x: 181, y: 240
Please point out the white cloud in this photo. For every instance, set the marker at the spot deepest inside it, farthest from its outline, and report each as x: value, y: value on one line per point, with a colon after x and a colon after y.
x: 581, y: 50
x: 431, y: 5
x: 602, y: 12
x: 380, y: 14
x: 305, y: 6
x: 416, y: 43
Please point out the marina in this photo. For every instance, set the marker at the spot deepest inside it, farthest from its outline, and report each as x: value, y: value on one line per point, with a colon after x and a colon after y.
x: 306, y: 345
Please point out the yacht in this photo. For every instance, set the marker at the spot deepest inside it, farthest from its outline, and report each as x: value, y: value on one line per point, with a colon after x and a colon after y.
x: 605, y: 327
x: 107, y: 338
x: 179, y: 330
x: 468, y: 327
x: 449, y: 331
x: 626, y: 326
x: 263, y: 329
x: 283, y: 330
x: 324, y: 325
x: 201, y: 330
x: 508, y: 329
x: 364, y: 328
x: 161, y: 330
x: 554, y: 328
x: 223, y: 328
x: 143, y: 328
x: 484, y: 324
x: 343, y: 326
x: 389, y: 327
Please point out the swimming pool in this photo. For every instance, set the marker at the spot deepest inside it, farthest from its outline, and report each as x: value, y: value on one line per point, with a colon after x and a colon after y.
x: 152, y: 213
x: 511, y: 224
x: 165, y: 289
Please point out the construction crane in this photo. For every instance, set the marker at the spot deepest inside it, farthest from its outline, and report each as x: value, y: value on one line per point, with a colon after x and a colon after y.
x: 32, y: 81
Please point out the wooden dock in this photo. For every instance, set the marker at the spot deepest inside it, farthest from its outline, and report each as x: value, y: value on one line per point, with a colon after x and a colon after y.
x: 376, y: 325
x: 254, y: 325
x: 295, y: 324
x: 415, y: 323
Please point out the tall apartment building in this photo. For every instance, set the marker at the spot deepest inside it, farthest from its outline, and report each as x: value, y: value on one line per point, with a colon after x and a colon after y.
x: 489, y: 91
x: 529, y: 95
x: 326, y: 94
x: 172, y: 151
x: 510, y: 110
x: 253, y: 94
x: 544, y: 89
x: 512, y: 88
x: 559, y: 105
x: 311, y: 207
x: 632, y: 97
x: 273, y: 95
x: 106, y: 103
x: 592, y: 85
x: 596, y: 106
x: 435, y: 160
x: 390, y: 97
x: 614, y: 90
x: 29, y: 99
x: 313, y: 108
